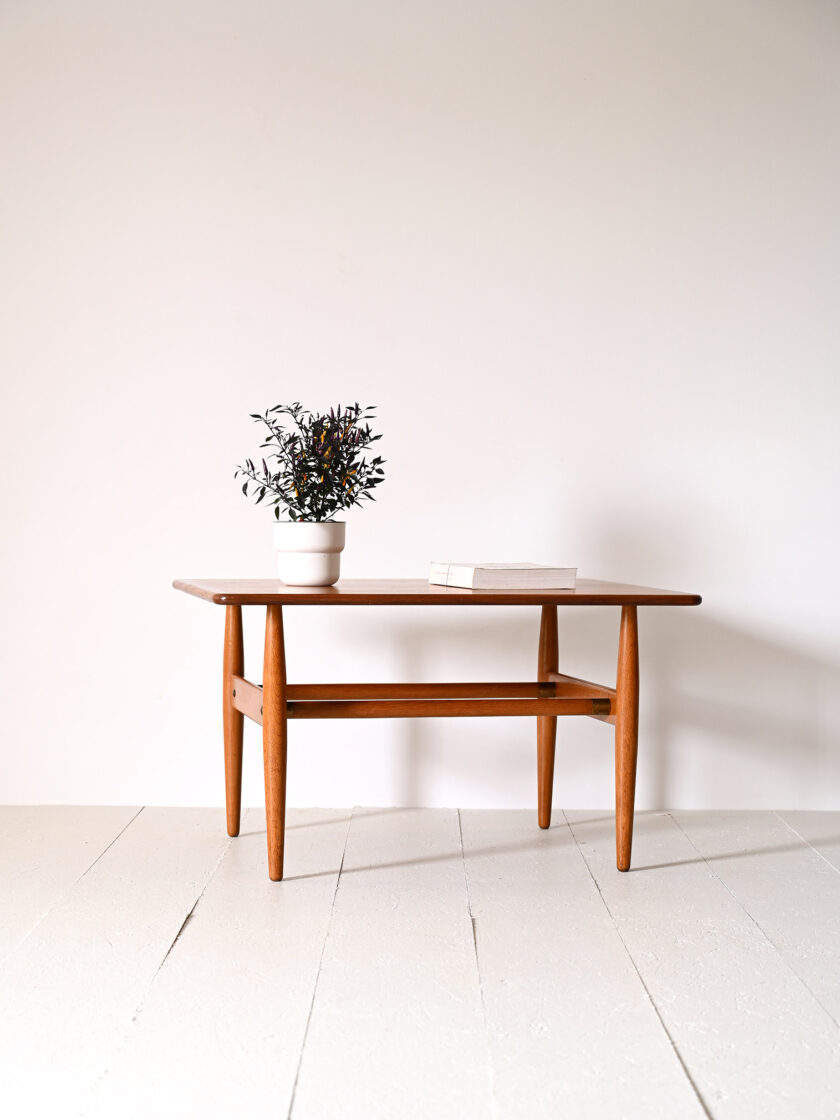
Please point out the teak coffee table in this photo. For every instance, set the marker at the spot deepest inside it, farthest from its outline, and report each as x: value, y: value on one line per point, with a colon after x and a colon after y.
x: 553, y: 694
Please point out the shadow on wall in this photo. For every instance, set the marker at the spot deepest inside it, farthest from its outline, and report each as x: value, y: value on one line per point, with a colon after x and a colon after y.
x: 728, y: 719
x: 761, y: 711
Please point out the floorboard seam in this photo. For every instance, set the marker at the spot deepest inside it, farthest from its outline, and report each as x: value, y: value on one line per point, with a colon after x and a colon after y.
x: 805, y: 840
x: 60, y: 898
x: 113, y: 842
x: 701, y: 1101
x: 177, y: 938
x: 123, y: 1042
x: 490, y: 1069
x: 757, y: 925
x: 320, y: 965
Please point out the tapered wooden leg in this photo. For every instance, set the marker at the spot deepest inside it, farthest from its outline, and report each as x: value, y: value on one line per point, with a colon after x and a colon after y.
x: 274, y: 739
x: 626, y: 735
x: 546, y: 725
x: 232, y: 720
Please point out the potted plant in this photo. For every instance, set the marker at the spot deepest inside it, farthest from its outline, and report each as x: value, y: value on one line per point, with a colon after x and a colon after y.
x: 314, y: 468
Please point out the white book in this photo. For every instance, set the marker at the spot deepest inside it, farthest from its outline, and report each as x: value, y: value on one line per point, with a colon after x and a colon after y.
x: 502, y: 576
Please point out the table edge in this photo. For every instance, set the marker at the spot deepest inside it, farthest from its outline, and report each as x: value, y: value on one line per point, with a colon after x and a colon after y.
x: 445, y: 597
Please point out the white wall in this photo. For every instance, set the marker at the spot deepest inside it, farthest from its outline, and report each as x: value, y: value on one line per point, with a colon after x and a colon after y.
x: 584, y: 257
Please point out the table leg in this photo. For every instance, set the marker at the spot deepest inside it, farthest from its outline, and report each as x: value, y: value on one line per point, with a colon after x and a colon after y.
x: 274, y: 738
x: 232, y: 720
x: 546, y: 725
x: 626, y: 734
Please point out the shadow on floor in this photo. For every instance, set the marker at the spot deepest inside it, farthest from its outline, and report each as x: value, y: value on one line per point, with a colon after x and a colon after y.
x: 560, y: 833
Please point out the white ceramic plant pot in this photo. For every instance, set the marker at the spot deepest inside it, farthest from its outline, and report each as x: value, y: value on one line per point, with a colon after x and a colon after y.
x: 309, y: 552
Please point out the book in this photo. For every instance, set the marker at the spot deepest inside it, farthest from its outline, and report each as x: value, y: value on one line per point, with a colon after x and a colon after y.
x: 502, y: 576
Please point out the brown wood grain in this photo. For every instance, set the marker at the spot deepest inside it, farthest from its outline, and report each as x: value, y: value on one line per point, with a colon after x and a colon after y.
x: 248, y: 699
x: 402, y: 709
x: 275, y: 738
x: 547, y: 655
x: 575, y: 686
x: 626, y: 735
x: 554, y: 694
x: 233, y: 664
x: 412, y: 592
x: 414, y: 691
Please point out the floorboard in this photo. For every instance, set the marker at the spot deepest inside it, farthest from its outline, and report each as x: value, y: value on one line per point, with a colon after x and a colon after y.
x: 419, y: 963
x: 397, y: 1026
x: 572, y: 1030
x: 819, y: 829
x: 68, y: 993
x: 220, y: 1032
x: 752, y: 1037
x: 43, y: 851
x: 793, y: 896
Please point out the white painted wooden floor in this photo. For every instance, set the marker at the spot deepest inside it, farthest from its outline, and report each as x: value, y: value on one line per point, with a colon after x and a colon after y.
x: 422, y: 963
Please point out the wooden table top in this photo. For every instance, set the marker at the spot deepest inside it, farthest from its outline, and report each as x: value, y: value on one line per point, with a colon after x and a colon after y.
x: 417, y: 592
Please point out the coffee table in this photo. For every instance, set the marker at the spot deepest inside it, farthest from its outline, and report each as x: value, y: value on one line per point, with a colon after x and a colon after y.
x: 273, y: 703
